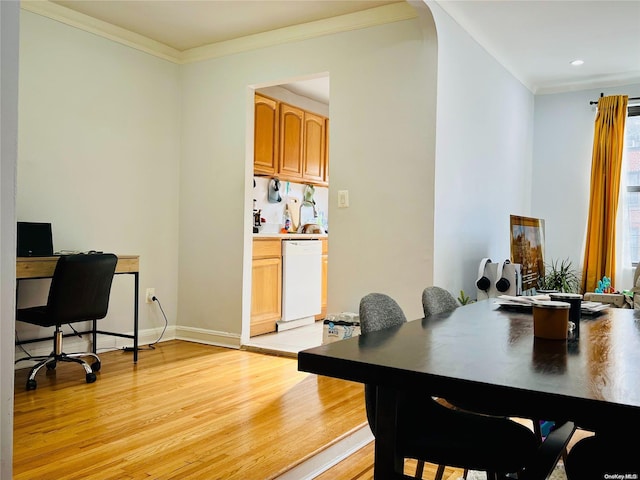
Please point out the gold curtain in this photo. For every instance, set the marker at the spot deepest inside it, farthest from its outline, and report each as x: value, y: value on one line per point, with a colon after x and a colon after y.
x: 606, y: 166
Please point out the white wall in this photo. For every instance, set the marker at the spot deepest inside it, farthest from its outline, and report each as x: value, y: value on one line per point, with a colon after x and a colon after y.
x: 99, y: 150
x: 484, y: 137
x: 381, y: 87
x: 9, y: 26
x: 562, y: 151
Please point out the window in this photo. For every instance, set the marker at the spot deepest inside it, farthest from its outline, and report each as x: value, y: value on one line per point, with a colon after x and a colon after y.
x: 631, y: 178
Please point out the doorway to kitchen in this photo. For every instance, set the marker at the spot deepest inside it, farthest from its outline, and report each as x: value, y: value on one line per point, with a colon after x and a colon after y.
x: 290, y: 205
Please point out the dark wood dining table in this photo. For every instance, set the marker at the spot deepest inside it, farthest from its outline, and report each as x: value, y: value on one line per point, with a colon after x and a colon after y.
x: 482, y: 351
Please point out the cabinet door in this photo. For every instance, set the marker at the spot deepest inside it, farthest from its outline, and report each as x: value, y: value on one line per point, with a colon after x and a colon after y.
x: 266, y: 295
x: 291, y: 141
x: 314, y: 148
x: 265, y: 153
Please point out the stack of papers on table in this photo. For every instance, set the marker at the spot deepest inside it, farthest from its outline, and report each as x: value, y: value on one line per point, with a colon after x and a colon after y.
x: 526, y: 303
x: 591, y: 308
x: 521, y: 302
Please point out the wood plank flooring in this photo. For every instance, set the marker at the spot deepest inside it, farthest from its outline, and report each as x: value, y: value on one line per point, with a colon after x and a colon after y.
x: 359, y: 466
x: 185, y: 411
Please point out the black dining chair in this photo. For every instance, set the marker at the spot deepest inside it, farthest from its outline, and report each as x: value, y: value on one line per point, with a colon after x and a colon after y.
x: 436, y: 300
x: 79, y: 292
x: 431, y: 432
x: 604, y: 455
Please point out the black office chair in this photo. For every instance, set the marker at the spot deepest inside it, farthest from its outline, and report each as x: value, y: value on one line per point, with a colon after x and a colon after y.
x: 430, y: 432
x: 79, y: 292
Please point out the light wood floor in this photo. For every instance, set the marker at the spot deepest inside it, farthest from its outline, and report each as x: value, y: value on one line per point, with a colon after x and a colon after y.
x: 359, y: 466
x: 185, y: 411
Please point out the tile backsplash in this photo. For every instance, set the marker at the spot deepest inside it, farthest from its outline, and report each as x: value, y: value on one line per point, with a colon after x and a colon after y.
x: 273, y: 213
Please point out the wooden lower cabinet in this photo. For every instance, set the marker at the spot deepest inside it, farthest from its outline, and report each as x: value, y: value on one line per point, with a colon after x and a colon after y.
x: 266, y: 286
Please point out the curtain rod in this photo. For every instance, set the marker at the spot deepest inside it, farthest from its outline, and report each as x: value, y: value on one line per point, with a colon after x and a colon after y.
x: 602, y: 95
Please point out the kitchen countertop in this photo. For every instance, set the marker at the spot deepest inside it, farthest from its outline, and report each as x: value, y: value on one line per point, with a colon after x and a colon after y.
x: 286, y: 236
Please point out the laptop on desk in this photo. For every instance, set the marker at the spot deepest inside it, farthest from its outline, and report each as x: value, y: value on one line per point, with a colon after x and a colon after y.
x: 34, y: 239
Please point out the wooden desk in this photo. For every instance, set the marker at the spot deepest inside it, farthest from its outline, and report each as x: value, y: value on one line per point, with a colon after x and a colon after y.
x: 478, y: 351
x: 43, y: 267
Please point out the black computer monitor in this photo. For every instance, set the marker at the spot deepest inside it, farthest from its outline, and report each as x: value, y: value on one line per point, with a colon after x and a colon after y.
x: 34, y: 239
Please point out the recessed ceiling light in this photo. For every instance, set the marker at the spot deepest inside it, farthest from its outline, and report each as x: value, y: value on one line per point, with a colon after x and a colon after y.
x: 576, y: 63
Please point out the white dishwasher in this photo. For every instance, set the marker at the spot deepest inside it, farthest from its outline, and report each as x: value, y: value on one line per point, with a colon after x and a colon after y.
x: 301, y: 282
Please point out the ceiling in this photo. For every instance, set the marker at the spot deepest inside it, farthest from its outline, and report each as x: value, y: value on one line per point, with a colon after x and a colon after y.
x: 535, y: 40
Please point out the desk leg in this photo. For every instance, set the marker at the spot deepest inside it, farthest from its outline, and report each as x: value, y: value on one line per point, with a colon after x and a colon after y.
x: 94, y: 336
x: 388, y: 464
x: 136, y: 289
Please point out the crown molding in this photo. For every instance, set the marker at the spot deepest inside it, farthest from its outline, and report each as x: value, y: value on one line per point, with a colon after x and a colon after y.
x: 600, y: 81
x: 367, y: 18
x: 100, y: 28
x: 394, y: 12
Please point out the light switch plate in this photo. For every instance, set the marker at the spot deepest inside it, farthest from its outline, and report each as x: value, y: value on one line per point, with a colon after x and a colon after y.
x: 343, y: 198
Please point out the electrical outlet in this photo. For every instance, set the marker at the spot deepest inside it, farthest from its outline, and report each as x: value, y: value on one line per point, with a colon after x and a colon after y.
x: 151, y: 292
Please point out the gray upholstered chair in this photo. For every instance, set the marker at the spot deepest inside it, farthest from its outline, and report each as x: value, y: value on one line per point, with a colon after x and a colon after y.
x: 380, y: 312
x: 430, y: 432
x: 437, y: 300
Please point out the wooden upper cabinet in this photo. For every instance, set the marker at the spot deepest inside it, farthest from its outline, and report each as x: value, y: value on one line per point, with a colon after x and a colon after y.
x: 291, y: 141
x: 314, y: 148
x: 266, y: 129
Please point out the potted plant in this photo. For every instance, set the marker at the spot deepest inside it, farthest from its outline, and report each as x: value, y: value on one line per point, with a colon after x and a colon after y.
x: 464, y: 299
x: 559, y: 276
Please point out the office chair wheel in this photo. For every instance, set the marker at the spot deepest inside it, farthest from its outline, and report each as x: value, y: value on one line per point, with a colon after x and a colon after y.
x: 51, y: 365
x: 91, y: 377
x: 31, y: 385
x: 95, y: 366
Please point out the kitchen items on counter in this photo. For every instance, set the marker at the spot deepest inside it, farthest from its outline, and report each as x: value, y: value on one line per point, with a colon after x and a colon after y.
x: 274, y: 191
x: 308, y: 212
x: 311, y: 228
x: 288, y: 207
x: 293, y: 204
x: 286, y: 221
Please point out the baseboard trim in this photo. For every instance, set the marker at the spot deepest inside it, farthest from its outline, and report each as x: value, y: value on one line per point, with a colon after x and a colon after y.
x: 145, y: 337
x: 268, y: 351
x: 208, y: 337
x: 330, y: 456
